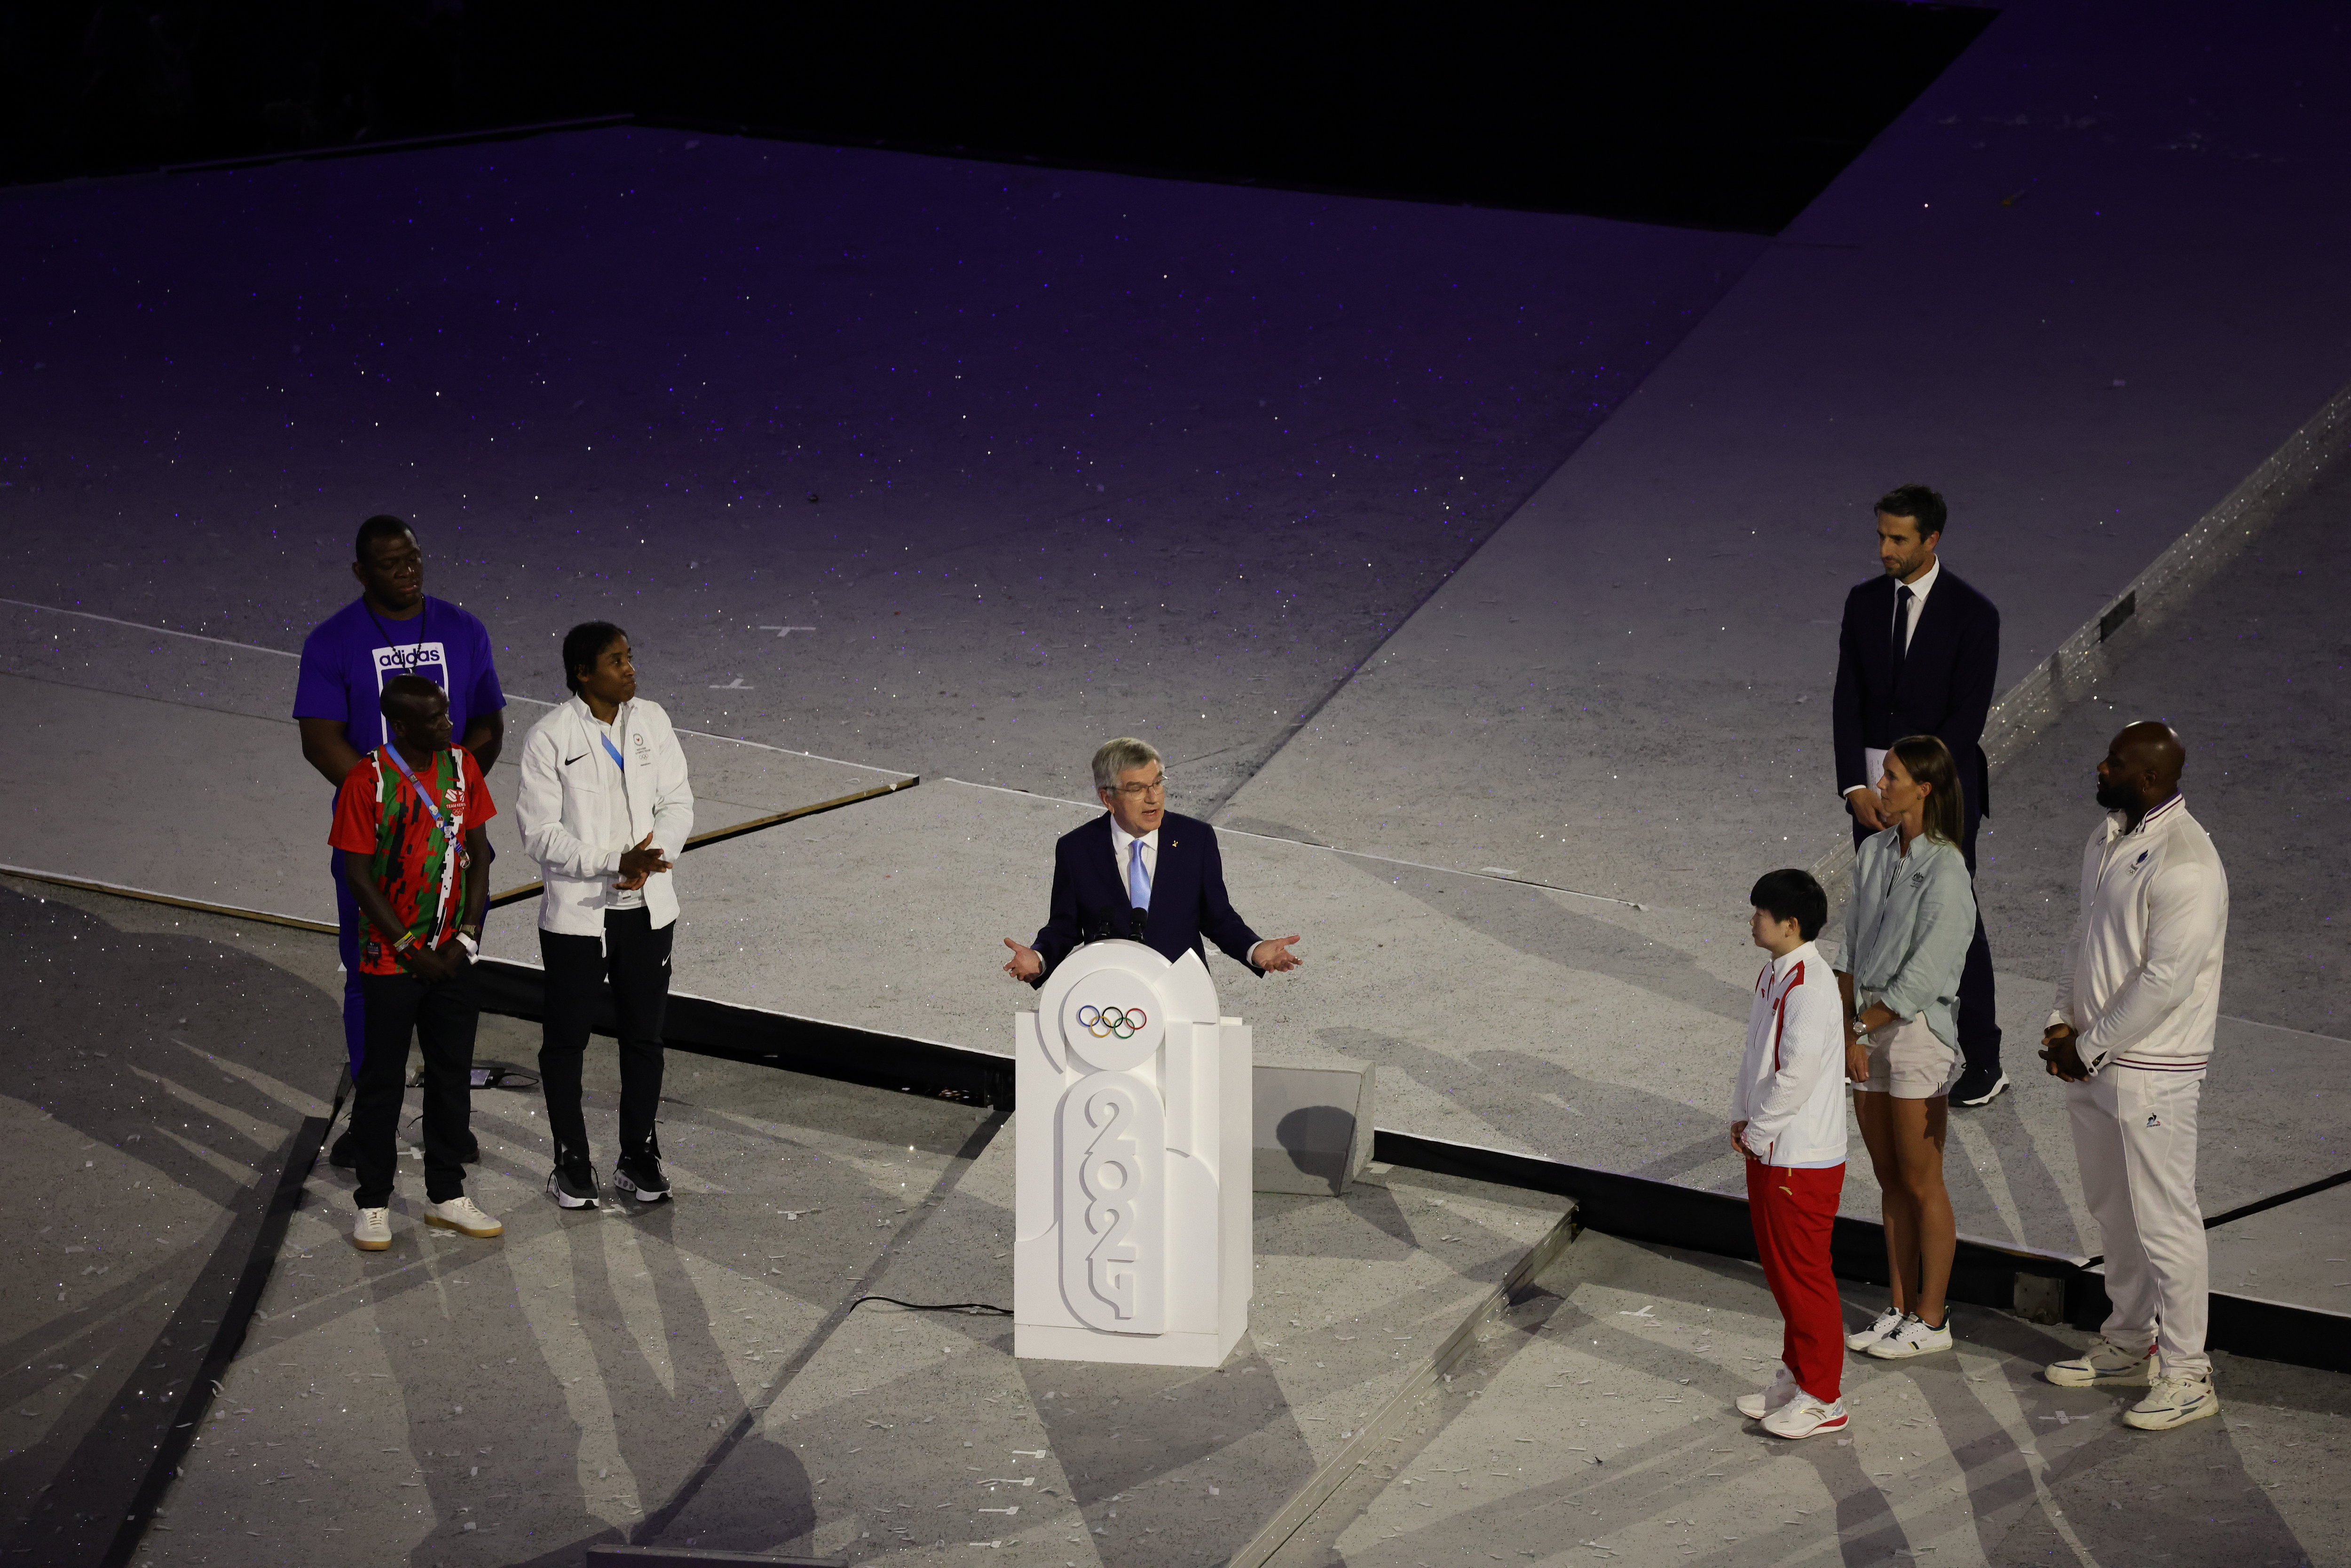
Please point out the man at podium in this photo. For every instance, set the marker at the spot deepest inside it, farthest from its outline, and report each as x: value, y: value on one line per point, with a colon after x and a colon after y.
x: 1144, y: 872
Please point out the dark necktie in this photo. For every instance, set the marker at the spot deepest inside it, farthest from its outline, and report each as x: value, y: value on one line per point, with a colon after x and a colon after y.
x: 1902, y: 598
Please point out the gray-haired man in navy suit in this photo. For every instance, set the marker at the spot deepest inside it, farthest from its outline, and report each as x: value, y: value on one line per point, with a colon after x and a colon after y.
x: 1919, y: 655
x: 1142, y: 872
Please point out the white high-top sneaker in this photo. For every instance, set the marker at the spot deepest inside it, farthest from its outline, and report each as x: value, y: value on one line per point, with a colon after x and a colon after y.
x: 2174, y: 1401
x: 2104, y: 1364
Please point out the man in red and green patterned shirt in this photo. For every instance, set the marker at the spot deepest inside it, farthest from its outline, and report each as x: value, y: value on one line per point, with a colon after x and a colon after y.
x: 409, y: 837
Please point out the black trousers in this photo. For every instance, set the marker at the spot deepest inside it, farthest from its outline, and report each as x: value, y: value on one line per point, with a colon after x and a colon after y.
x: 633, y: 955
x: 1979, y: 1018
x: 442, y: 1016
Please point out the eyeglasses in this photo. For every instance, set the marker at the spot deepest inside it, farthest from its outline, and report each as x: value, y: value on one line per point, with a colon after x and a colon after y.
x: 1137, y: 792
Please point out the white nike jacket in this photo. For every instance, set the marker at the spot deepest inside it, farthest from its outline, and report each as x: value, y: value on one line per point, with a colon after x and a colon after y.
x: 2144, y: 987
x: 576, y: 830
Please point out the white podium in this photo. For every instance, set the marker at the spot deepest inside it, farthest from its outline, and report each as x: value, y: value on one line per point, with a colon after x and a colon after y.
x: 1133, y: 1175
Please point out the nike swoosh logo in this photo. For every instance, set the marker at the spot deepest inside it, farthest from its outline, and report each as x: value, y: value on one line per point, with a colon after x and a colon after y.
x: 569, y: 760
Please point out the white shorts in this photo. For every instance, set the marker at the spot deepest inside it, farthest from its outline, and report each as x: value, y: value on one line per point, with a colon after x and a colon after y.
x: 1910, y: 1062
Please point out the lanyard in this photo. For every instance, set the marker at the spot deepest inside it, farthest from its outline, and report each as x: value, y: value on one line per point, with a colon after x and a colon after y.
x: 447, y: 825
x: 416, y: 644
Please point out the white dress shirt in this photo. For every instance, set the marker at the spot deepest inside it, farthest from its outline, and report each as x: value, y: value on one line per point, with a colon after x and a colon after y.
x: 1873, y: 758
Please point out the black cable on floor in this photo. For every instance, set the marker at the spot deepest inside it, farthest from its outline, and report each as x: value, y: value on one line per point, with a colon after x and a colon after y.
x: 976, y: 1308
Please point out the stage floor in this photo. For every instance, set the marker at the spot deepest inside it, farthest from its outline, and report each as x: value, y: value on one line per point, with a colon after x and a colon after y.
x: 1477, y: 573
x: 1598, y: 1427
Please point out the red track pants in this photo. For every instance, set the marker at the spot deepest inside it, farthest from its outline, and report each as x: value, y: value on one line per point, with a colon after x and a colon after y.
x: 1793, y: 1211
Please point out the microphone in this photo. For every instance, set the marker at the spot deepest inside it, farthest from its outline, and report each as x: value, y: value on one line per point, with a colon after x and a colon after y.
x: 1136, y: 919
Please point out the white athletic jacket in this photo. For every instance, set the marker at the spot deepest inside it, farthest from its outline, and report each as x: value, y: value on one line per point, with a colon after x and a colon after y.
x: 1791, y: 1083
x: 564, y: 810
x: 2144, y: 985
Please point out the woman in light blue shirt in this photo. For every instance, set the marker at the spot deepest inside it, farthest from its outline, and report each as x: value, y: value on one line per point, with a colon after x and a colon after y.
x: 1906, y: 930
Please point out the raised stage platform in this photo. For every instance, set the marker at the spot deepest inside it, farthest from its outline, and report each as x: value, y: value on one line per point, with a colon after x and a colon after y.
x: 1476, y: 572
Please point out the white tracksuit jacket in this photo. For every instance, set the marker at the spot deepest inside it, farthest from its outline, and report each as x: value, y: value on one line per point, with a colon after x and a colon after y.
x: 1791, y: 1089
x: 2144, y: 989
x: 567, y: 817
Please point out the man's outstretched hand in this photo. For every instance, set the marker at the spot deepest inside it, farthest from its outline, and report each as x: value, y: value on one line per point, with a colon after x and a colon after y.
x: 1026, y: 964
x: 2059, y: 1049
x: 1867, y: 808
x: 1274, y: 953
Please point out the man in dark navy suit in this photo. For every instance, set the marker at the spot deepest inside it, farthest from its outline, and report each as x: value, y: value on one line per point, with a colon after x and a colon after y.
x: 1144, y: 872
x: 1919, y: 654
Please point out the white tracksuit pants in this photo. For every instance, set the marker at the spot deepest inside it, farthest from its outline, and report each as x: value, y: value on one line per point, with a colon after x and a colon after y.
x: 2135, y: 1139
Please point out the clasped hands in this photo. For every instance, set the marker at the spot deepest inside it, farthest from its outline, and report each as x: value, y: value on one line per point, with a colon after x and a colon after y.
x: 638, y: 863
x: 2060, y: 1048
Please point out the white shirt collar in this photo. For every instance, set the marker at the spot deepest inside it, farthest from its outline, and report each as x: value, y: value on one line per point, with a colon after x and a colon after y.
x: 1781, y: 966
x: 1922, y: 589
x: 1120, y: 838
x: 2117, y: 819
x: 619, y: 715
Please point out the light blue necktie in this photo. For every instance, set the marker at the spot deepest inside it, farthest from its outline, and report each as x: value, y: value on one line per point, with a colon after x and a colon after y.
x: 1138, y: 881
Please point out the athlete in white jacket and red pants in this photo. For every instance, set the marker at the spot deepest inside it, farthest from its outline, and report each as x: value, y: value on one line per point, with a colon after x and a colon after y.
x: 2131, y: 1034
x: 1788, y: 1119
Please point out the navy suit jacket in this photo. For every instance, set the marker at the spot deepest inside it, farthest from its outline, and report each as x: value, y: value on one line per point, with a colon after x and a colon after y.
x: 1945, y: 687
x: 1187, y: 896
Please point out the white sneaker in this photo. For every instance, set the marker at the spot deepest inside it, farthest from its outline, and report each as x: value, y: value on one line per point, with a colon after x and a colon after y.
x: 1805, y: 1417
x: 1911, y: 1337
x: 1884, y: 1323
x: 2173, y: 1401
x: 373, y: 1231
x: 2107, y: 1366
x: 1755, y: 1407
x: 459, y: 1214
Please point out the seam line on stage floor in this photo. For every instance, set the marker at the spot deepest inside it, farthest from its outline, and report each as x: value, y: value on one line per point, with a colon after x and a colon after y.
x: 1330, y: 849
x: 497, y: 900
x: 1308, y: 1501
x: 282, y: 653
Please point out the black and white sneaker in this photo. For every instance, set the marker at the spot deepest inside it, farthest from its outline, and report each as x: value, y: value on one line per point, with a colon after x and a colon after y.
x: 574, y: 1186
x: 1979, y: 1086
x: 640, y: 1176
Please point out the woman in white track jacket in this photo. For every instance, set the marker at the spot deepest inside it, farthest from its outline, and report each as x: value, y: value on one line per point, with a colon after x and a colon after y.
x: 605, y: 809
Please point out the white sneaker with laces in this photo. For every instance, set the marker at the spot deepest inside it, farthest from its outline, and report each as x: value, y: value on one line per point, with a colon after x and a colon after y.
x: 1911, y: 1337
x: 1884, y: 1323
x: 373, y: 1231
x: 1755, y: 1407
x: 2106, y: 1365
x: 1805, y: 1417
x: 461, y: 1215
x: 2173, y: 1401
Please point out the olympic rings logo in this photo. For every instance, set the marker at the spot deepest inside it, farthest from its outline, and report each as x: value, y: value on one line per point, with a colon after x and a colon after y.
x: 1112, y: 1023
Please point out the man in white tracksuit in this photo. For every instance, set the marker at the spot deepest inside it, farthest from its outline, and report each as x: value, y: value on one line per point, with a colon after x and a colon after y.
x: 2131, y: 1034
x: 604, y: 809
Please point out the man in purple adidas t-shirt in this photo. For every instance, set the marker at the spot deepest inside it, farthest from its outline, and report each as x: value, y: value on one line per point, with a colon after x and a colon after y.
x: 393, y: 628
